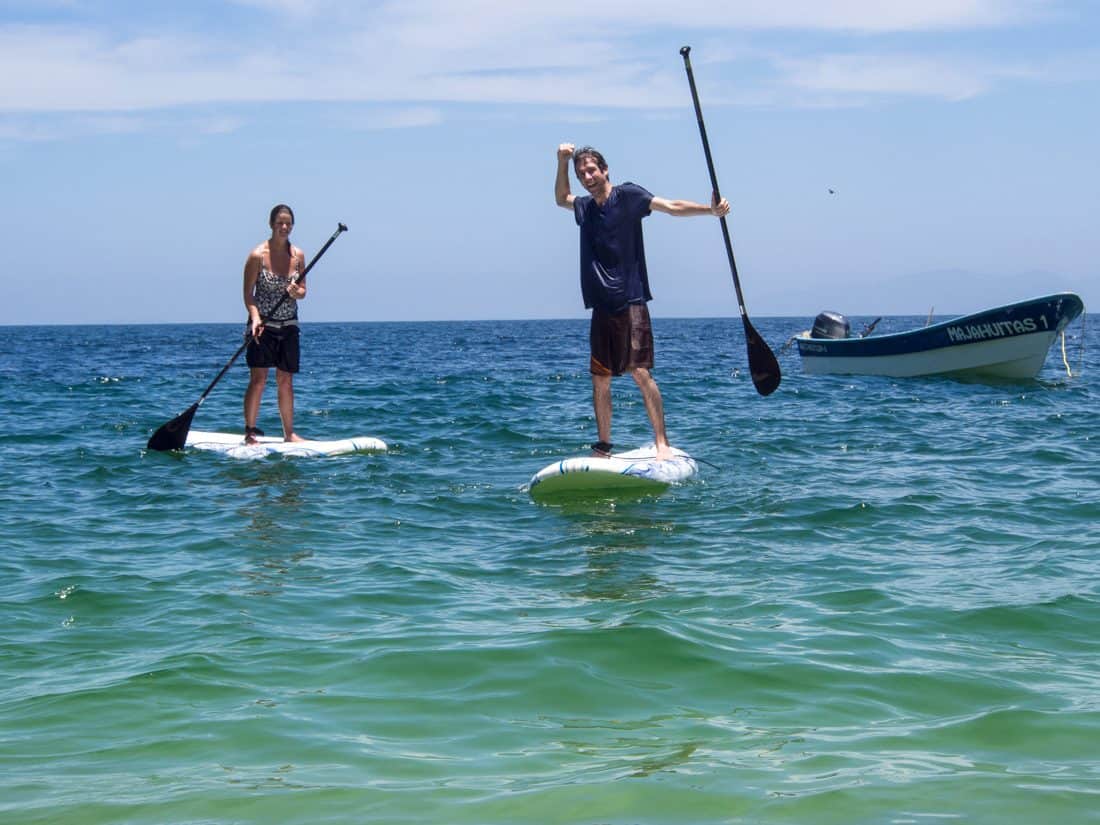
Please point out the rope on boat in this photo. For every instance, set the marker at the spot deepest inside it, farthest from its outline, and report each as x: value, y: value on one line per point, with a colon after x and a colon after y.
x: 1080, y: 351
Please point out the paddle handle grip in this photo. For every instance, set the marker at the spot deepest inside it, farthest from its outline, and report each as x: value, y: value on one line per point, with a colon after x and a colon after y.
x: 339, y: 229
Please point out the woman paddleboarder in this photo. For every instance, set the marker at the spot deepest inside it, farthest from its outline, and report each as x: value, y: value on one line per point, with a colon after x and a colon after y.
x: 273, y: 285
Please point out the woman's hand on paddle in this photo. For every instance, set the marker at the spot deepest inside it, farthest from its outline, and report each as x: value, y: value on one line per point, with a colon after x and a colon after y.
x: 296, y: 290
x: 255, y: 328
x: 719, y: 207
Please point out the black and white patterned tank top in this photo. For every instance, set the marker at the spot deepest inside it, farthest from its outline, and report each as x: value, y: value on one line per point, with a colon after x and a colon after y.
x: 271, y: 287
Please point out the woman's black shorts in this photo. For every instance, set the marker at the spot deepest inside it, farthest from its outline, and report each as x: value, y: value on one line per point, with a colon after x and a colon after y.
x: 276, y: 348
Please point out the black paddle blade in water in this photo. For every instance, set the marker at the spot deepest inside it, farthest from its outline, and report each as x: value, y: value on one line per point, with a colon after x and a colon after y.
x: 173, y: 435
x: 763, y: 367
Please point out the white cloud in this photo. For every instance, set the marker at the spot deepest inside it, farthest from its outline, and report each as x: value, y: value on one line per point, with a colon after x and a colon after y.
x: 67, y: 125
x: 26, y: 128
x: 396, y: 118
x: 896, y: 75
x: 217, y: 125
x: 496, y: 51
x: 293, y: 8
x: 442, y: 22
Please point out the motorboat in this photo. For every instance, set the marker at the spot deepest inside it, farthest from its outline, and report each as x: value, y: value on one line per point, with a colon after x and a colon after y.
x: 1010, y: 341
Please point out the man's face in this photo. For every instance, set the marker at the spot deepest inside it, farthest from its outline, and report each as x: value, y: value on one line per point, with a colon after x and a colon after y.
x: 590, y: 175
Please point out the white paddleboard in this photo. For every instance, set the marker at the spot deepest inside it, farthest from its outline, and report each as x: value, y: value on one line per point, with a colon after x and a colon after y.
x: 233, y: 445
x: 633, y: 472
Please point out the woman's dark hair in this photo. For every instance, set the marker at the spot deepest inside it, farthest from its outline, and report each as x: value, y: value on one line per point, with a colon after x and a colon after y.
x: 276, y: 209
x: 588, y: 151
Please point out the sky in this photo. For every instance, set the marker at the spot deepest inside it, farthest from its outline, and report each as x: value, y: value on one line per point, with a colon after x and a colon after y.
x: 143, y: 143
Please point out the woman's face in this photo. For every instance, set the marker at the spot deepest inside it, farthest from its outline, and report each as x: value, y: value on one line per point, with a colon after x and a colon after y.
x: 282, y: 224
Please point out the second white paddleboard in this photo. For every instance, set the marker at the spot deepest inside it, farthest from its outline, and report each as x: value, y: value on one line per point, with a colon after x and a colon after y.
x: 233, y: 445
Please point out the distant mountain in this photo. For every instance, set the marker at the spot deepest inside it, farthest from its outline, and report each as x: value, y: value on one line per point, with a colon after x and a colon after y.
x: 948, y: 291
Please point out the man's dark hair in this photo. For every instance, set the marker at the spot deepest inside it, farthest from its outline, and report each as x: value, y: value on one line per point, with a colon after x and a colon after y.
x: 588, y: 151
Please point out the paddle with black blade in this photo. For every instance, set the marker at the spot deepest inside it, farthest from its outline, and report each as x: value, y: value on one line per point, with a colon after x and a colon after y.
x: 763, y: 367
x: 173, y: 435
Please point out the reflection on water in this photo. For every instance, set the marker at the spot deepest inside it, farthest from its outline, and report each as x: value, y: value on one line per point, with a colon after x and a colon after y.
x: 612, y: 574
x: 617, y: 538
x: 275, y: 504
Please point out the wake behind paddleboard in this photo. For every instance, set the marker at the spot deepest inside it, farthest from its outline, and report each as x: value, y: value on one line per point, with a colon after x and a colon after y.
x: 233, y: 445
x: 636, y: 472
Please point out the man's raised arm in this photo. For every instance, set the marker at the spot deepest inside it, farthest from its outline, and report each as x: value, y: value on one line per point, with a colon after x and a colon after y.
x: 562, y: 195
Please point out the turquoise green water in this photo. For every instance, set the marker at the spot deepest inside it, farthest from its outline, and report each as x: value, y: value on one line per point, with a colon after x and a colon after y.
x: 878, y: 603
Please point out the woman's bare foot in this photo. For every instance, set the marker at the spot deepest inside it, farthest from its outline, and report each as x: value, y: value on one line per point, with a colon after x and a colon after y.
x: 601, y: 449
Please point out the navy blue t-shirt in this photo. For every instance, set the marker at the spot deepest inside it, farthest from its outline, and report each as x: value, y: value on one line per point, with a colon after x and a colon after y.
x: 613, y: 271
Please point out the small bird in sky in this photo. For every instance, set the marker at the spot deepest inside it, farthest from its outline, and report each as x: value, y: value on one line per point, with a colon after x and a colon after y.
x: 832, y: 191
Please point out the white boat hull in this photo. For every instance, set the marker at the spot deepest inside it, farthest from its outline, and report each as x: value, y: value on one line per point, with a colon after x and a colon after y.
x: 1020, y: 357
x: 1004, y: 342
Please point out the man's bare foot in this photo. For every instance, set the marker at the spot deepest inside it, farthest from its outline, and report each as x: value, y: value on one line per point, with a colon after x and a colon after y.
x: 252, y: 435
x: 294, y: 437
x: 664, y: 452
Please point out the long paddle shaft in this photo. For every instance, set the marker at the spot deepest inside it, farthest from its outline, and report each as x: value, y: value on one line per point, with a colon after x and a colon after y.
x: 173, y: 435
x: 763, y: 366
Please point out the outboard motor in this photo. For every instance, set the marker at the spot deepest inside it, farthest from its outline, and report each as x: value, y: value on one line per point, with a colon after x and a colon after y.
x: 831, y: 325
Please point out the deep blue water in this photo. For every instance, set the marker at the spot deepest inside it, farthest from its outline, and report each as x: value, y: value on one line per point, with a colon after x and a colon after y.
x: 878, y: 602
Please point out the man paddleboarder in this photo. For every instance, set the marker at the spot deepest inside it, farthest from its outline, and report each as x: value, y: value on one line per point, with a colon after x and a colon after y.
x: 615, y: 283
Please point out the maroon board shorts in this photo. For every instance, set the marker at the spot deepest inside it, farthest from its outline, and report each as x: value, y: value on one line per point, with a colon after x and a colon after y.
x: 620, y: 341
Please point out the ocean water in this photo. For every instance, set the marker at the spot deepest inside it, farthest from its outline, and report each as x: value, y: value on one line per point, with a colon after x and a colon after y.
x: 879, y: 602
